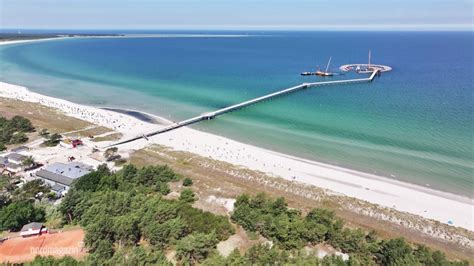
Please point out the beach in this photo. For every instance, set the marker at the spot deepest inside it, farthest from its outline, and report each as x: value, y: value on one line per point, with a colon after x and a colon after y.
x: 428, y: 203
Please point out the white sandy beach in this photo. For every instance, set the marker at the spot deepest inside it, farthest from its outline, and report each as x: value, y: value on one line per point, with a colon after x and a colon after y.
x: 401, y: 196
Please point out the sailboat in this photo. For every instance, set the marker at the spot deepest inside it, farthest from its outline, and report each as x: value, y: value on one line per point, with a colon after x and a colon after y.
x: 325, y: 73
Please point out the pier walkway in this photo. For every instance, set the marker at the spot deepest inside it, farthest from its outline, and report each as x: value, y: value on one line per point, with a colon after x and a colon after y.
x: 211, y: 115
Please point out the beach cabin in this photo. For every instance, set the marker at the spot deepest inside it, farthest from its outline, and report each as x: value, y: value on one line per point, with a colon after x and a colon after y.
x: 33, y: 229
x: 15, y: 158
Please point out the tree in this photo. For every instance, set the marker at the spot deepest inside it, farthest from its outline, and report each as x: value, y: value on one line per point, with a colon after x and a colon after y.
x: 19, y: 213
x: 30, y: 189
x: 53, y: 140
x: 187, y: 182
x: 28, y: 162
x: 44, y: 133
x: 187, y: 196
x: 395, y: 252
x: 18, y: 138
x: 21, y: 124
x: 110, y: 152
x: 162, y: 234
x: 196, y: 247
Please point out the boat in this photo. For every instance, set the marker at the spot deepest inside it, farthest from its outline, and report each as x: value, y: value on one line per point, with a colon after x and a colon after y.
x: 325, y: 73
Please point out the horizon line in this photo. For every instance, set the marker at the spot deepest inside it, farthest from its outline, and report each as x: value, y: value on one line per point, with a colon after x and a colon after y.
x: 385, y: 27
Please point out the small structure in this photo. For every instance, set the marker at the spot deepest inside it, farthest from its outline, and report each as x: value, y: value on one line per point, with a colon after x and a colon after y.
x: 63, y: 174
x: 76, y: 142
x: 58, y: 189
x: 365, y: 68
x: 3, y: 161
x: 15, y: 158
x: 13, y: 167
x: 20, y: 149
x: 33, y: 229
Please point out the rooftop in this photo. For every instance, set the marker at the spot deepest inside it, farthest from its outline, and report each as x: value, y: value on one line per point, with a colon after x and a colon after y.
x: 57, y: 188
x: 16, y: 157
x: 31, y: 226
x: 64, y: 180
x: 72, y: 170
x: 21, y: 148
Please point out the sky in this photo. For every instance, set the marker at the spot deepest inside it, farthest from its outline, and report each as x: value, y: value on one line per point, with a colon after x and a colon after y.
x: 238, y: 14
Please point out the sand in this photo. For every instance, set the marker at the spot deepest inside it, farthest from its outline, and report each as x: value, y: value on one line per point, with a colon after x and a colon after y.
x: 428, y: 203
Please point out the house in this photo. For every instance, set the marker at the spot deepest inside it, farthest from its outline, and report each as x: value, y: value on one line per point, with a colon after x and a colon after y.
x: 20, y: 149
x: 63, y: 174
x: 13, y: 167
x: 58, y: 189
x: 33, y: 229
x: 12, y: 162
x: 15, y: 158
x: 3, y: 161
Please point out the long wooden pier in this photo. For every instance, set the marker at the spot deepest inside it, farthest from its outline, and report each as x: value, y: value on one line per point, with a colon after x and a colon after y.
x: 211, y: 115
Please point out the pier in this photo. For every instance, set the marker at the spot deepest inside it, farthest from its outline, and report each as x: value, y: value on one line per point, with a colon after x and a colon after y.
x: 213, y: 114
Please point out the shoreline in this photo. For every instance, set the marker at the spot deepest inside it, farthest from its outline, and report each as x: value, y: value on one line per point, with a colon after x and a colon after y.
x: 401, y: 196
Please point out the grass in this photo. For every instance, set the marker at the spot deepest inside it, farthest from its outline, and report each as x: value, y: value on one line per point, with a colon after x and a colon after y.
x: 41, y: 116
x: 110, y: 137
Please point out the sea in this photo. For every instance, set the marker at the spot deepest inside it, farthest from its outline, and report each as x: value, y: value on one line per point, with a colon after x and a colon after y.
x: 413, y: 124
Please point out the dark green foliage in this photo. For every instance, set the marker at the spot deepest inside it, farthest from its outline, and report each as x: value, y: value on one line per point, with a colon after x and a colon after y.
x: 13, y: 131
x: 18, y: 138
x: 395, y: 252
x: 19, y: 213
x: 187, y: 182
x: 52, y: 140
x: 187, y: 196
x: 90, y: 182
x: 162, y: 234
x: 44, y: 133
x: 195, y: 247
x: 52, y: 261
x: 139, y: 256
x: 119, y: 209
x: 74, y: 204
x: 21, y: 124
x: 30, y: 189
x: 206, y: 222
x: 290, y: 231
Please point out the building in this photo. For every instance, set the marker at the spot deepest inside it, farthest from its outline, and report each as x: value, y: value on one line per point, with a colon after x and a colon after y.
x: 15, y: 158
x: 13, y: 167
x: 58, y: 189
x: 60, y: 176
x: 12, y: 162
x: 20, y: 149
x: 3, y: 161
x: 33, y: 229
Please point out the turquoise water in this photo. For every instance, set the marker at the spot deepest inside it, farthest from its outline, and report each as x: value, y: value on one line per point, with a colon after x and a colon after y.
x: 413, y: 124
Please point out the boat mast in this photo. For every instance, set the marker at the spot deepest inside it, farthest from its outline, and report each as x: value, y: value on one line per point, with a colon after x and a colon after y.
x: 329, y: 62
x: 369, y: 58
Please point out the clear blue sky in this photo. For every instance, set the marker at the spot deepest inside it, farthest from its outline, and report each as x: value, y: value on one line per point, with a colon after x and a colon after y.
x: 237, y: 14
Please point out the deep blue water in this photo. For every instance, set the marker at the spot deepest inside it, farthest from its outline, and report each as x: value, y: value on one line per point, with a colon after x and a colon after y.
x: 413, y: 124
